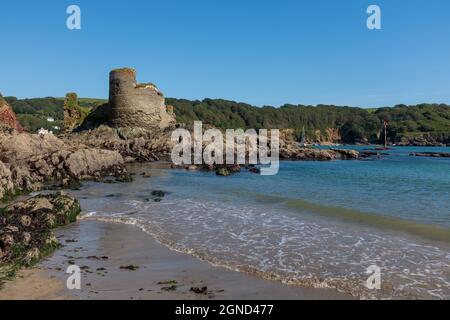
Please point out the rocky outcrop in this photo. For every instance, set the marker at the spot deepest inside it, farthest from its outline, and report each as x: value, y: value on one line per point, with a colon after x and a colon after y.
x: 345, y: 154
x: 424, y: 140
x: 313, y: 154
x: 28, y: 162
x: 431, y: 154
x: 6, y: 181
x: 26, y: 229
x: 8, y: 118
x: 329, y: 136
x: 226, y: 170
x: 133, y: 107
x: 290, y: 150
x: 134, y: 144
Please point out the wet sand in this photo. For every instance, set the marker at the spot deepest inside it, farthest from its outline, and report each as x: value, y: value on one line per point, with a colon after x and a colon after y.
x: 100, y: 249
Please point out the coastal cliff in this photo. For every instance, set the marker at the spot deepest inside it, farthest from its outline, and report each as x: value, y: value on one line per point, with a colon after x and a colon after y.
x: 8, y: 118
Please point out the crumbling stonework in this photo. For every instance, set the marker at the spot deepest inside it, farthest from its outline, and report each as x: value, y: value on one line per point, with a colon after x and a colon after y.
x: 72, y: 113
x: 133, y: 104
x: 134, y: 109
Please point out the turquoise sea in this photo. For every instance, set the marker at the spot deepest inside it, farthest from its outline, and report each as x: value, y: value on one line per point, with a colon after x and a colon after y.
x: 319, y: 224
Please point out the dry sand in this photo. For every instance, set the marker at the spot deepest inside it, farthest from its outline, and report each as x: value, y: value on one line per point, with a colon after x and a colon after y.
x: 86, y: 242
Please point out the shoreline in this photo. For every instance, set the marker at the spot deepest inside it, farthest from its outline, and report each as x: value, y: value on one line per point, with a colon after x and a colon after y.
x: 88, y: 240
x: 100, y: 249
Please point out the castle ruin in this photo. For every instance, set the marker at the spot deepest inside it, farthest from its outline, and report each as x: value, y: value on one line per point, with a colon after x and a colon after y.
x: 72, y: 113
x: 133, y: 104
x: 132, y: 107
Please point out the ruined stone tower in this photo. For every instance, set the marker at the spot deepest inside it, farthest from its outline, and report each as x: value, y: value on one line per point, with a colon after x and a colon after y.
x: 72, y: 113
x: 135, y: 105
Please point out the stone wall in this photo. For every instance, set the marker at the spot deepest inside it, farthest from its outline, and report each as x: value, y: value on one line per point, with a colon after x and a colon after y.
x: 134, y: 109
x: 72, y: 113
x: 132, y: 104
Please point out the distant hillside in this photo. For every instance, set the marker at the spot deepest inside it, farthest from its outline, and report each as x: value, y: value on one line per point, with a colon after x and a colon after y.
x: 325, y: 123
x: 34, y: 114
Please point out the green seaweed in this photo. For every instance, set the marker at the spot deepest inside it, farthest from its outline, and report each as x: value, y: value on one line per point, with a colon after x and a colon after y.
x: 66, y: 211
x: 170, y: 282
x: 125, y: 178
x: 8, y: 271
x: 170, y: 288
x: 131, y: 267
x: 11, y: 196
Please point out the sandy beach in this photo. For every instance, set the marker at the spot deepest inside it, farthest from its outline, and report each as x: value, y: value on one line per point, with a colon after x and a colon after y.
x: 100, y: 249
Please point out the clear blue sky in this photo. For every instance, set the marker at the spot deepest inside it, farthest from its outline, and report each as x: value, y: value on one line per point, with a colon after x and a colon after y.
x: 256, y: 51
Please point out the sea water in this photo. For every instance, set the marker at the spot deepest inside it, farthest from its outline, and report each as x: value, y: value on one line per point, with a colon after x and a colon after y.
x: 316, y: 224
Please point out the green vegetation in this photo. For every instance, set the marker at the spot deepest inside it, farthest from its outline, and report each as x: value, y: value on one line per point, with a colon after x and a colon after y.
x: 19, y: 251
x: 431, y: 119
x: 10, y: 196
x: 169, y: 282
x: 46, y: 107
x: 9, y: 271
x: 170, y: 288
x: 353, y: 124
x: 89, y: 102
x: 33, y: 122
x: 74, y: 114
x: 33, y: 114
x: 131, y: 267
x: 71, y: 100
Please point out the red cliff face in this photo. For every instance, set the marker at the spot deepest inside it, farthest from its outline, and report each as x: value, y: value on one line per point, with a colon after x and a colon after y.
x: 8, y: 117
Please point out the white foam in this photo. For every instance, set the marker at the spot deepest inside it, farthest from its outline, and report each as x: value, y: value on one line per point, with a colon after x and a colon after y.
x: 290, y: 248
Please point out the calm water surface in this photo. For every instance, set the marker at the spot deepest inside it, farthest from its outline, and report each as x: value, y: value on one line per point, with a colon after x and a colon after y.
x: 317, y: 224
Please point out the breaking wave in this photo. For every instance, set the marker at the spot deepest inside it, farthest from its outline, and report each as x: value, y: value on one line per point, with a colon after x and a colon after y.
x: 295, y: 250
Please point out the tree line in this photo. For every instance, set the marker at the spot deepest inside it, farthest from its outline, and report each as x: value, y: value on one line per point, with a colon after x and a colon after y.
x: 354, y: 125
